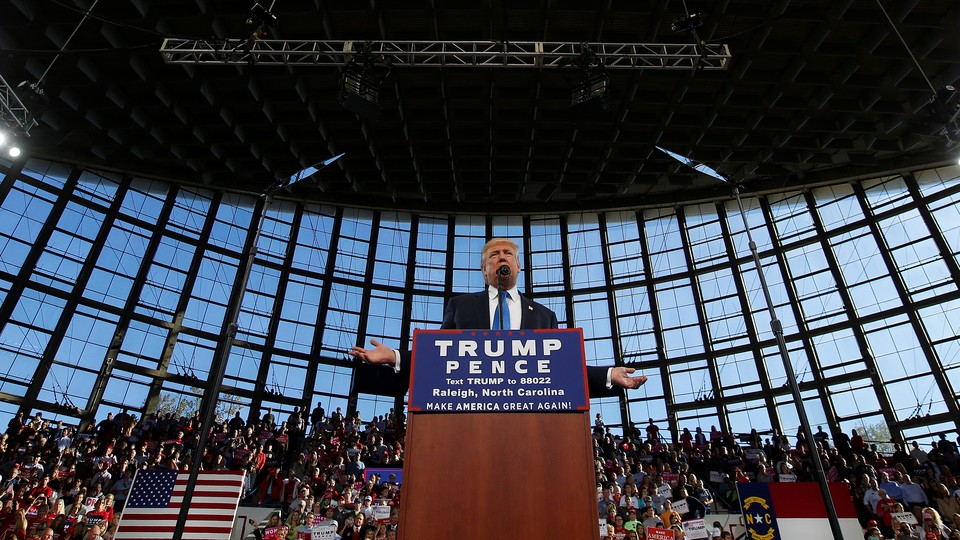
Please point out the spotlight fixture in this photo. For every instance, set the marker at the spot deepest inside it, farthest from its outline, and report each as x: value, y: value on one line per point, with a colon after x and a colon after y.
x: 590, y: 93
x: 261, y: 16
x: 945, y: 112
x: 359, y: 88
x: 34, y: 100
x: 685, y: 24
x: 591, y: 96
x: 8, y: 143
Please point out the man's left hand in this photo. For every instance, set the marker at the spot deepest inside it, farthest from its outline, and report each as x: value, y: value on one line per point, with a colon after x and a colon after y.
x: 621, y: 377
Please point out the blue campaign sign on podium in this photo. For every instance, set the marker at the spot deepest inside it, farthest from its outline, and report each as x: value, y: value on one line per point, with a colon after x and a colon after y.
x: 498, y: 371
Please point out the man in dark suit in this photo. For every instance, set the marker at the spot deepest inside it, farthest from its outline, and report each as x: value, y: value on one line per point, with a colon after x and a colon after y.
x: 500, y: 264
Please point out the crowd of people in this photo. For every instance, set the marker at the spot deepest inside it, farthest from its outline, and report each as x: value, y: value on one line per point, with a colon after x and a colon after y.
x: 63, y: 485
x: 641, y: 477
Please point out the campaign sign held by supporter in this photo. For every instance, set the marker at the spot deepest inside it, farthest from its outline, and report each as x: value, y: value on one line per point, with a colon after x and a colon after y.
x: 694, y: 529
x: 275, y: 533
x: 904, y: 517
x: 681, y: 507
x: 498, y: 371
x: 381, y: 513
x: 656, y: 533
x: 759, y: 517
x: 325, y: 531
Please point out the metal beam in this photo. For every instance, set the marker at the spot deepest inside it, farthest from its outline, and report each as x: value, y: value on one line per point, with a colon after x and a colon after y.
x: 484, y: 54
x: 12, y: 109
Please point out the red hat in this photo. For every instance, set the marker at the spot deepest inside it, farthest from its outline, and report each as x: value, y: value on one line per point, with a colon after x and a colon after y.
x: 872, y: 523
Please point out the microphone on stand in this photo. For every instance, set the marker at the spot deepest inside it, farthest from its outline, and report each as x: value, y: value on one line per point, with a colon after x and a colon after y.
x: 502, y: 273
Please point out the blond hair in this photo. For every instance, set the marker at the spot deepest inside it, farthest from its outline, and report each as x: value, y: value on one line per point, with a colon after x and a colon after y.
x: 491, y: 242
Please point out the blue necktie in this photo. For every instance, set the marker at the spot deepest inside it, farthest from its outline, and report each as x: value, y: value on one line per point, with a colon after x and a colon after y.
x: 506, y: 313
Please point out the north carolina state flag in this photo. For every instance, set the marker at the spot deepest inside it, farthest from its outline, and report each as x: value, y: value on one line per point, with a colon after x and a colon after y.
x: 795, y: 511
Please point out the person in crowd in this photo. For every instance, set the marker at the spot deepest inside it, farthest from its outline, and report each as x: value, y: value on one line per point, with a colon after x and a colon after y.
x: 913, y: 494
x: 94, y: 532
x: 695, y: 508
x: 669, y: 514
x: 649, y: 518
x: 886, y: 507
x: 477, y: 310
x: 943, y: 501
x: 605, y: 501
x: 891, y: 485
x: 903, y: 531
x: 930, y: 522
x: 273, y: 521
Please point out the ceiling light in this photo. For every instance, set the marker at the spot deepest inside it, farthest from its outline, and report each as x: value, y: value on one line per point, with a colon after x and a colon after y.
x: 359, y: 88
x: 687, y: 23
x: 261, y: 16
x: 590, y: 85
x: 591, y: 96
x: 8, y: 143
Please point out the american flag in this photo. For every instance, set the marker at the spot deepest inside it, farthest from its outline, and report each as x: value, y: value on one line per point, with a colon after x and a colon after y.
x: 156, y: 496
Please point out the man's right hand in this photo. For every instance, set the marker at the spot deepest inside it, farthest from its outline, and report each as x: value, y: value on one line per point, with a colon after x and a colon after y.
x: 379, y: 354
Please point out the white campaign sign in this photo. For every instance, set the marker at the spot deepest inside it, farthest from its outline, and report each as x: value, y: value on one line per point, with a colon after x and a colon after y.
x: 381, y: 513
x: 695, y: 528
x: 325, y: 531
x: 681, y: 507
x: 904, y: 517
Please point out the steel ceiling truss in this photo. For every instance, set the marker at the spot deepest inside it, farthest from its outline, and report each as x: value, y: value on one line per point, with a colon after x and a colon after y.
x: 484, y: 54
x: 12, y: 110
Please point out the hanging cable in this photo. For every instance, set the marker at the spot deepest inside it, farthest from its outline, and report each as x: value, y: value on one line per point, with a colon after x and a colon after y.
x: 66, y: 43
x: 907, y: 47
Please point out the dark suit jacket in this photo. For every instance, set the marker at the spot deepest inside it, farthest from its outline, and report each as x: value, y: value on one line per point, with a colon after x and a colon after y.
x: 472, y: 311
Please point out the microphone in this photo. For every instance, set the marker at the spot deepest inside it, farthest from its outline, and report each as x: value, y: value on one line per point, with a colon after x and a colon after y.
x: 503, y: 271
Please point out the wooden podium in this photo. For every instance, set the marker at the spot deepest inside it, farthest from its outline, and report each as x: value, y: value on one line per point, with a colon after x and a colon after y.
x: 498, y: 475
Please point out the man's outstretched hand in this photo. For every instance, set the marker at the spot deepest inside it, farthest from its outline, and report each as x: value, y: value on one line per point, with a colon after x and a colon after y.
x: 379, y: 354
x: 621, y: 377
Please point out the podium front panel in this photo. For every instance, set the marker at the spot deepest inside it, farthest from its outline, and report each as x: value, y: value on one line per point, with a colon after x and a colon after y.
x: 499, y: 475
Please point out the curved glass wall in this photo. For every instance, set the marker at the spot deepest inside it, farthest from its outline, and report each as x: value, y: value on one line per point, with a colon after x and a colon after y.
x: 114, y: 293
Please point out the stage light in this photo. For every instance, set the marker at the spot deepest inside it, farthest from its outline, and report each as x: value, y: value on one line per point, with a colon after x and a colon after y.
x: 685, y: 24
x: 590, y: 85
x: 8, y: 142
x: 261, y: 16
x: 591, y: 97
x: 359, y: 88
x: 359, y: 94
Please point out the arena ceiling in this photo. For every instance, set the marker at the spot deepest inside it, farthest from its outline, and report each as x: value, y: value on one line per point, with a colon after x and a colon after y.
x: 813, y: 91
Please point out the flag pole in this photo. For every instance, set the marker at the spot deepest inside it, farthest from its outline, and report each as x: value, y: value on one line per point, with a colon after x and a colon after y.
x: 211, y: 394
x: 125, y: 501
x: 777, y: 327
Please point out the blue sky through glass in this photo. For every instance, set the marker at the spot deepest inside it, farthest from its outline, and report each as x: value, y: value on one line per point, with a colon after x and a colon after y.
x: 861, y: 277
